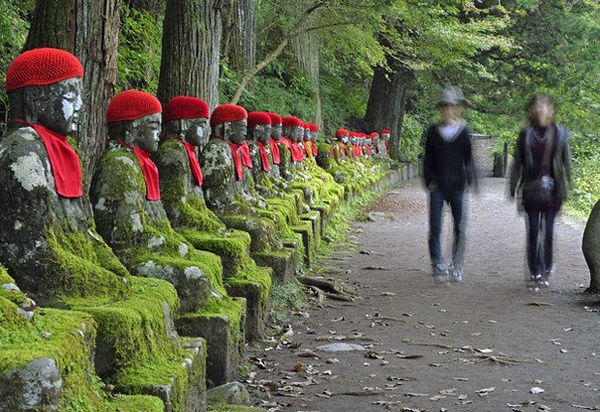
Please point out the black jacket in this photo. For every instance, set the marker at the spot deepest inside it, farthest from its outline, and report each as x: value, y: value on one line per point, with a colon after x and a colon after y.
x: 448, y: 163
x: 525, y: 168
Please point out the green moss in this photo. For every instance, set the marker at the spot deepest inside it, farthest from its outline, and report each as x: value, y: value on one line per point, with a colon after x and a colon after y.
x: 67, y: 337
x: 135, y: 329
x: 234, y: 243
x: 81, y: 272
x: 252, y: 273
x: 138, y: 403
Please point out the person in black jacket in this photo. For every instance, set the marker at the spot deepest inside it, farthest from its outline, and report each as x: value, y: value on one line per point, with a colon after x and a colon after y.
x: 541, y: 158
x: 448, y: 169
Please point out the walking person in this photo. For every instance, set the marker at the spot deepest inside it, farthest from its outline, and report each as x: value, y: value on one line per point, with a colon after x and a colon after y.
x: 541, y: 175
x: 448, y: 169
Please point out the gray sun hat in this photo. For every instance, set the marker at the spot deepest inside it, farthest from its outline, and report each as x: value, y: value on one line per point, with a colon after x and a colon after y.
x: 450, y: 95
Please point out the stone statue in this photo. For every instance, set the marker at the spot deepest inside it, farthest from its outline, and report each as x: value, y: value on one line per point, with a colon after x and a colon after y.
x: 384, y: 144
x: 47, y: 237
x: 129, y: 213
x: 226, y: 164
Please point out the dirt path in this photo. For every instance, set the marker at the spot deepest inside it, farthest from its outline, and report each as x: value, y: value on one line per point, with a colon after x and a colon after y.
x: 484, y: 345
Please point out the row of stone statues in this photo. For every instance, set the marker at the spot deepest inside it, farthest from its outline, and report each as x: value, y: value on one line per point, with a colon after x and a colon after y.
x: 220, y: 224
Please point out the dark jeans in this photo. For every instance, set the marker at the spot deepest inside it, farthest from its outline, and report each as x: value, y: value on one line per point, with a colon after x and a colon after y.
x: 436, y: 204
x: 540, y: 235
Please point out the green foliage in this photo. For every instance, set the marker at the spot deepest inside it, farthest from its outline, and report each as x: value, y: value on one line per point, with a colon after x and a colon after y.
x: 139, y: 50
x: 286, y: 298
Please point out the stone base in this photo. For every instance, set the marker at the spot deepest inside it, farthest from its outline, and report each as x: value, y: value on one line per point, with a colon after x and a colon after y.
x: 186, y: 377
x: 257, y: 303
x: 222, y: 326
x: 283, y: 262
x: 305, y: 229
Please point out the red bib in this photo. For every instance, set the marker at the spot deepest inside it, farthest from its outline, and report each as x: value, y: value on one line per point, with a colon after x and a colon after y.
x: 194, y: 164
x: 63, y: 160
x: 264, y: 157
x: 275, y: 151
x: 149, y: 170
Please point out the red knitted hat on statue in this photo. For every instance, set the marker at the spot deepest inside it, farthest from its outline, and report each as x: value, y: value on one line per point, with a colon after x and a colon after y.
x: 313, y: 127
x: 385, y: 131
x: 341, y: 132
x: 275, y: 118
x: 131, y: 105
x: 41, y: 67
x: 258, y: 118
x: 185, y: 107
x: 227, y: 113
x: 291, y: 121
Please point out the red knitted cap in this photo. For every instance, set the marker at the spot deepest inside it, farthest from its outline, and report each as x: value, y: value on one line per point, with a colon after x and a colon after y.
x: 227, y: 113
x: 291, y: 121
x: 313, y: 127
x: 131, y: 105
x: 385, y: 131
x: 185, y: 107
x: 275, y: 118
x: 258, y: 118
x: 341, y: 132
x: 41, y: 67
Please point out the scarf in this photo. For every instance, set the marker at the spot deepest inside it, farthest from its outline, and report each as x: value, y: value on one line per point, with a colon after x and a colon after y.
x: 297, y: 152
x: 307, y: 148
x: 246, y: 158
x: 193, y: 160
x: 149, y: 170
x: 264, y: 156
x: 275, y: 151
x: 64, y: 161
x: 315, y: 151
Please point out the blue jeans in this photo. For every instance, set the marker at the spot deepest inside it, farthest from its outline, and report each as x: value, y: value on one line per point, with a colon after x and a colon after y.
x: 540, y: 236
x: 436, y: 204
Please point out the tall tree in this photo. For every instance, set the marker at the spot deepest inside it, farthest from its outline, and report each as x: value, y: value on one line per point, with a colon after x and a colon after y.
x: 89, y: 30
x: 190, y: 53
x: 239, y: 38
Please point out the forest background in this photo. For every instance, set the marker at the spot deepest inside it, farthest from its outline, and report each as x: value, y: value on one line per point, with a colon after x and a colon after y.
x: 362, y: 65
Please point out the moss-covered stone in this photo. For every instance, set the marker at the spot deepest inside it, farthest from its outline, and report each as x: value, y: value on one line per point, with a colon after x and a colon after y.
x: 137, y: 403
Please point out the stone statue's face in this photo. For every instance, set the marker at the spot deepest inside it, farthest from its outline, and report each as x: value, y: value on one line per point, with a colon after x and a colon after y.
x: 306, y: 136
x: 146, y: 132
x: 236, y: 131
x: 296, y: 133
x: 385, y: 136
x: 262, y: 133
x: 197, y: 133
x: 58, y: 105
x: 313, y: 136
x: 276, y: 130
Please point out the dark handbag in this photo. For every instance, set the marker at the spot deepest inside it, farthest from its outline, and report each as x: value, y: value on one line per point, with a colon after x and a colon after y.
x: 539, y: 192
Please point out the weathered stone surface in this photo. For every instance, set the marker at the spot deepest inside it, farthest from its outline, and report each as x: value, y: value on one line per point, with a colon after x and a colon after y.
x: 36, y: 386
x: 232, y: 393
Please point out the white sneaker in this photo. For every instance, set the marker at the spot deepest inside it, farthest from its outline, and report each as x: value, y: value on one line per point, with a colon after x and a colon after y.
x: 440, y: 273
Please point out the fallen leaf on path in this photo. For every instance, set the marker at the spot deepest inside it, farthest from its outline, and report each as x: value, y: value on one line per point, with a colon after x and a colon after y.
x: 539, y: 304
x: 417, y: 395
x: 589, y: 408
x: 332, y: 360
x: 409, y: 356
x: 375, y: 268
x: 485, y: 391
x: 536, y: 390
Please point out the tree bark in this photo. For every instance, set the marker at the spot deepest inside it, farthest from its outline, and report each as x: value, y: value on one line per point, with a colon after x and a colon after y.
x: 387, y: 100
x: 89, y: 30
x: 591, y: 248
x: 192, y: 33
x: 242, y: 32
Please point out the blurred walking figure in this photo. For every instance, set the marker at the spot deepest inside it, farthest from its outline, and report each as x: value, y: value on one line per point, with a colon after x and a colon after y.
x: 541, y: 174
x: 448, y: 168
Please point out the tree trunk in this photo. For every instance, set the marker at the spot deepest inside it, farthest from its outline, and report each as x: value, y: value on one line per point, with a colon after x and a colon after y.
x: 89, y: 30
x: 242, y: 34
x: 591, y: 248
x: 192, y: 33
x: 387, y: 100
